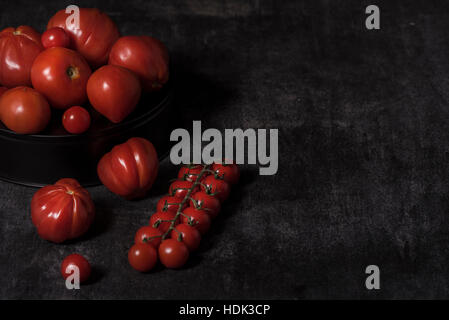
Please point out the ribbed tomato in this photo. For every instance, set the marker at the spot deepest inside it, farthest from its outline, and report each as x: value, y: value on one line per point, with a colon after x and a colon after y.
x: 130, y: 169
x: 62, y: 211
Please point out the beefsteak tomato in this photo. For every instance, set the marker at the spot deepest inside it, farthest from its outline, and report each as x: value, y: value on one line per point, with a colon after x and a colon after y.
x: 62, y: 211
x: 129, y: 169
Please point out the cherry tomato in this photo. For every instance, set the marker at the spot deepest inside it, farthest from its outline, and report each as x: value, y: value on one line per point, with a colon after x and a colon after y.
x: 190, y: 236
x: 173, y: 253
x: 179, y: 188
x: 216, y: 187
x: 197, y: 218
x: 18, y: 49
x: 76, y: 260
x: 114, y: 92
x: 146, y: 56
x: 62, y: 211
x: 228, y: 172
x: 152, y: 235
x: 24, y: 110
x: 76, y: 120
x: 55, y: 37
x: 208, y: 203
x: 164, y: 217
x: 142, y: 257
x: 130, y: 169
x: 190, y: 172
x: 168, y: 203
x: 94, y: 37
x: 61, y: 75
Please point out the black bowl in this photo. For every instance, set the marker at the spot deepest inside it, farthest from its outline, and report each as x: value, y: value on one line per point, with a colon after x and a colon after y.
x: 37, y: 160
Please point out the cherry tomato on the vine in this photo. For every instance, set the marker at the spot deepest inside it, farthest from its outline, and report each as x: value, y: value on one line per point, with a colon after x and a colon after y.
x: 152, y: 235
x: 55, y: 37
x: 179, y: 188
x: 168, y: 203
x: 190, y: 236
x: 76, y: 120
x: 142, y: 257
x: 164, y: 218
x: 197, y: 218
x: 228, y: 172
x: 216, y: 187
x: 210, y: 204
x: 190, y: 172
x: 76, y: 260
x: 173, y: 253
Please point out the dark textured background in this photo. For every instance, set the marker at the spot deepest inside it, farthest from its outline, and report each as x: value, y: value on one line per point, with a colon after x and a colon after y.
x: 363, y: 177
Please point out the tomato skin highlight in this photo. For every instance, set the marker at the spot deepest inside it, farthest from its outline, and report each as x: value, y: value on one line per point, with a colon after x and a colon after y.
x: 76, y: 120
x: 210, y: 204
x: 129, y: 169
x: 228, y: 172
x: 18, y: 49
x: 62, y: 211
x: 173, y: 254
x: 142, y: 257
x: 153, y: 236
x: 191, y: 237
x: 114, y: 92
x: 145, y: 56
x: 61, y: 75
x: 217, y: 187
x: 200, y: 219
x: 95, y: 36
x: 55, y: 37
x: 163, y: 225
x: 78, y: 261
x: 24, y: 110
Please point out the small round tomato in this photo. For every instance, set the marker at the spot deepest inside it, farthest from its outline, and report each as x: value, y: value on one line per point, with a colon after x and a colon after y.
x: 146, y: 56
x: 61, y: 75
x: 197, y: 218
x: 179, y: 188
x: 228, y: 172
x: 114, y: 92
x: 76, y: 120
x: 208, y: 203
x: 190, y: 172
x: 162, y: 220
x: 173, y: 253
x: 216, y: 187
x: 190, y: 236
x: 78, y: 261
x: 149, y: 235
x: 168, y: 203
x: 142, y: 257
x: 55, y: 37
x: 24, y: 110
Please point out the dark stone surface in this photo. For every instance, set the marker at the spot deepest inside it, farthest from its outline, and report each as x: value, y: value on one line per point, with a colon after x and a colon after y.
x: 363, y: 139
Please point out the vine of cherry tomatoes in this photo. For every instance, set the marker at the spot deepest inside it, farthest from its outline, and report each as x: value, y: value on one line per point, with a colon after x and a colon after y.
x: 183, y: 216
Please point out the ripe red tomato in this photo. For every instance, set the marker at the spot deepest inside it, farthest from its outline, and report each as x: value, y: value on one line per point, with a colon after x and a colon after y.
x: 164, y: 218
x: 179, y: 188
x: 190, y: 172
x: 18, y: 49
x: 197, y: 218
x: 146, y: 56
x: 190, y: 236
x: 208, y: 203
x: 114, y: 92
x: 228, y: 172
x: 173, y: 253
x: 216, y: 187
x: 55, y: 37
x: 61, y: 75
x: 149, y: 235
x: 169, y: 203
x: 3, y: 90
x: 142, y: 257
x: 94, y: 37
x: 24, y: 110
x: 78, y: 261
x: 76, y: 120
x: 130, y: 169
x: 62, y: 211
